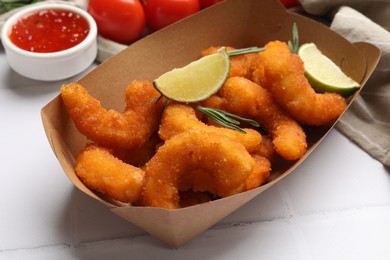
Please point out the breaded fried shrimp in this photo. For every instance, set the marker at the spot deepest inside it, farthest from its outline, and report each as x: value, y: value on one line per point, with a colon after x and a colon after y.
x: 178, y: 118
x: 140, y: 155
x: 257, y: 69
x: 99, y: 170
x: 284, y: 77
x: 129, y: 129
x: 266, y: 149
x: 260, y: 172
x: 226, y: 160
x: 191, y: 198
x: 240, y: 65
x: 197, y: 180
x: 247, y: 99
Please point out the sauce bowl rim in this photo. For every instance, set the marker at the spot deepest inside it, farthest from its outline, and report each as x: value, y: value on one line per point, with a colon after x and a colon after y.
x: 91, y: 37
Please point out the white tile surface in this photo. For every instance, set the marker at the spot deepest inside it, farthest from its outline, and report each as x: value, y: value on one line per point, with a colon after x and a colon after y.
x: 347, y: 179
x: 336, y: 205
x: 353, y: 234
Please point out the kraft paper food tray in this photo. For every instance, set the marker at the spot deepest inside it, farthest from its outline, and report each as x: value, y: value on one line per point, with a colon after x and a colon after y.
x: 238, y: 23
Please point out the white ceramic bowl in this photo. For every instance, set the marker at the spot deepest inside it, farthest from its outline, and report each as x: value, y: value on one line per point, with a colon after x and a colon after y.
x: 54, y: 65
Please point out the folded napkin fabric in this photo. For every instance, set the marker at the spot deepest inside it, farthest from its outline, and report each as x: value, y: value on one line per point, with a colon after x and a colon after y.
x: 376, y: 10
x: 367, y: 121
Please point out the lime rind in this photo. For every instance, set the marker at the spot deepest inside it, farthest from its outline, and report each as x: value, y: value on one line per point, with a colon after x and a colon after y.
x: 324, y: 87
x: 323, y: 74
x: 196, y: 81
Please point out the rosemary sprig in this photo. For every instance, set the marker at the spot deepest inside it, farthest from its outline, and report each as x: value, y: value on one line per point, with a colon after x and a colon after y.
x: 8, y: 5
x: 294, y: 45
x: 165, y: 102
x: 159, y: 98
x: 244, y: 51
x: 226, y: 119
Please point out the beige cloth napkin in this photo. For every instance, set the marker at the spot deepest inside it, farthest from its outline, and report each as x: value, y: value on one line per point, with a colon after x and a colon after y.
x: 367, y: 121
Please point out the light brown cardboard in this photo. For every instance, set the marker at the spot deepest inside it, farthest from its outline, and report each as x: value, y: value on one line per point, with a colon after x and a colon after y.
x: 239, y: 23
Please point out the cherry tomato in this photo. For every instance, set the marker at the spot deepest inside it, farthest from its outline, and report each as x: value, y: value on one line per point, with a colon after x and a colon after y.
x: 207, y: 3
x: 161, y: 13
x: 122, y: 21
x: 289, y: 3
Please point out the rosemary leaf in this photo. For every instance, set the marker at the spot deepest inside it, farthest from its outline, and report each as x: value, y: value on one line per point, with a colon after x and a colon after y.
x: 225, y: 119
x: 290, y: 46
x: 223, y: 123
x: 16, y: 1
x: 159, y: 98
x: 243, y: 119
x: 8, y: 5
x: 294, y: 45
x: 244, y: 51
x: 217, y: 113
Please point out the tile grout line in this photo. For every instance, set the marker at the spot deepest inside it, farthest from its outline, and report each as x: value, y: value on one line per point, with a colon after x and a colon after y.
x: 296, y: 231
x: 73, y: 225
x: 287, y: 219
x: 60, y: 245
x: 290, y: 220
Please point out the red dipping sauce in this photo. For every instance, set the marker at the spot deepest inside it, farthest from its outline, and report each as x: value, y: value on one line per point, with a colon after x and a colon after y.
x: 49, y: 30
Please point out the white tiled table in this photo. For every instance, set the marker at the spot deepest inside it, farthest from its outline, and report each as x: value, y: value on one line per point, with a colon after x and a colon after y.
x: 336, y: 205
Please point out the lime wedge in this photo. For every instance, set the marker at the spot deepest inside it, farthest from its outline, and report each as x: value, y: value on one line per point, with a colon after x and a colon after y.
x: 323, y: 74
x: 196, y: 81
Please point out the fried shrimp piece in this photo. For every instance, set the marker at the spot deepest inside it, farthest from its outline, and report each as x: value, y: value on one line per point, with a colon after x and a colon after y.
x: 226, y: 160
x: 191, y: 198
x: 260, y: 173
x: 283, y: 75
x: 99, y: 170
x: 266, y: 149
x: 199, y: 180
x: 138, y: 156
x: 129, y: 129
x: 257, y: 68
x: 245, y: 98
x: 178, y: 118
x: 240, y: 65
